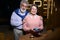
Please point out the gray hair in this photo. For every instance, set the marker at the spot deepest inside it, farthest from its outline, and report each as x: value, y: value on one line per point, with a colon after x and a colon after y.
x: 24, y: 1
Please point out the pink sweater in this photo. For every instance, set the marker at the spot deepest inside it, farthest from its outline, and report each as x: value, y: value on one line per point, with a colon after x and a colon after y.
x: 31, y: 22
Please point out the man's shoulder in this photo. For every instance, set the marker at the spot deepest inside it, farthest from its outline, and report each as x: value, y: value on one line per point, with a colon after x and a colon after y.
x: 16, y: 10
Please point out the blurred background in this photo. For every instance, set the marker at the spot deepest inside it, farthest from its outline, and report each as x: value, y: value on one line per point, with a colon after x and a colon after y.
x: 48, y: 9
x: 6, y: 9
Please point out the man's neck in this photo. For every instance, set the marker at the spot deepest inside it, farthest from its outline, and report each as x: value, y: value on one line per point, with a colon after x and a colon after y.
x: 21, y: 11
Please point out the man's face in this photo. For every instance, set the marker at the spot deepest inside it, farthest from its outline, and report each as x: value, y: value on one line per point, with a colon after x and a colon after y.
x: 23, y: 7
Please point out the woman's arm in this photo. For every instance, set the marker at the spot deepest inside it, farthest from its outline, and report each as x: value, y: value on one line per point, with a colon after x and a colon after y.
x: 41, y: 23
x: 25, y: 25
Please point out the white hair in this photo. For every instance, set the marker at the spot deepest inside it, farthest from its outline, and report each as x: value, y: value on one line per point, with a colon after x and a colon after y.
x: 24, y: 1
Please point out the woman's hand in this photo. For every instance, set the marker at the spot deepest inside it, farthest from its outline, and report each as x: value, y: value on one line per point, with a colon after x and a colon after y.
x: 32, y: 30
x: 35, y: 30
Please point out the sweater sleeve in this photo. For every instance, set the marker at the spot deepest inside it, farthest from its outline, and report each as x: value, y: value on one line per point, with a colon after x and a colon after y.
x: 25, y: 25
x: 41, y: 23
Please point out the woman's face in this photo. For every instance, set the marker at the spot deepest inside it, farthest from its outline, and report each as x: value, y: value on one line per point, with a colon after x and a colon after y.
x: 33, y: 10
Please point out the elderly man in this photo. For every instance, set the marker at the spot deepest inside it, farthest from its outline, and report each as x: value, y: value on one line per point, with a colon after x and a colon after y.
x: 17, y: 17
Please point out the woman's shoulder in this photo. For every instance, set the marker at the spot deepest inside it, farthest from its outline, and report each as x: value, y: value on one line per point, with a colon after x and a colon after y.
x: 40, y: 17
x: 27, y: 16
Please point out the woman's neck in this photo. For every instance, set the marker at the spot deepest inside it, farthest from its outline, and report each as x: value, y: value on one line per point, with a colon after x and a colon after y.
x: 33, y: 14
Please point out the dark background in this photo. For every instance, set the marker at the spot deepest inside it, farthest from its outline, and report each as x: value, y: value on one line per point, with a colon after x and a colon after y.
x: 6, y: 9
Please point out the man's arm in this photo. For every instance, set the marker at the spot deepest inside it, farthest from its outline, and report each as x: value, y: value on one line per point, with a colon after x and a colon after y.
x: 15, y: 20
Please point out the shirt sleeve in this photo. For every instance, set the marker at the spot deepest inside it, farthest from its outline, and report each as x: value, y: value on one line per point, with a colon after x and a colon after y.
x: 15, y: 20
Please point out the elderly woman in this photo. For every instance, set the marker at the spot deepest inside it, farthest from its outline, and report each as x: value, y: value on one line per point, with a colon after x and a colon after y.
x: 33, y: 23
